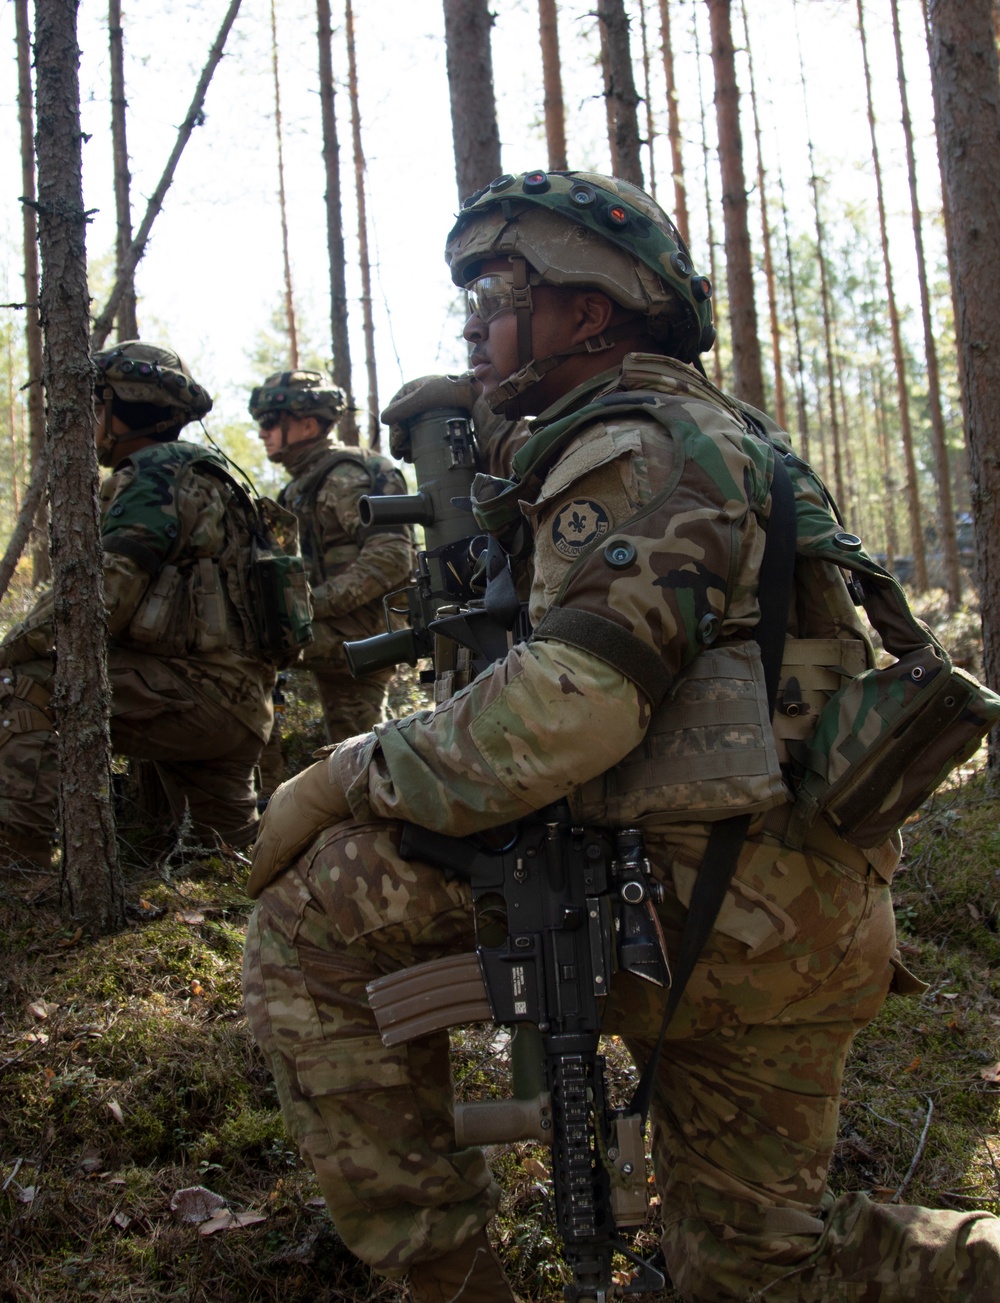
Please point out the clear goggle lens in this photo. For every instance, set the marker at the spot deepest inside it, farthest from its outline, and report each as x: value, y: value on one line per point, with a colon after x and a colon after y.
x: 490, y: 296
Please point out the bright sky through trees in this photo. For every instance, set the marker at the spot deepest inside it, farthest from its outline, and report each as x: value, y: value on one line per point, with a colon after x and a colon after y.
x: 212, y: 278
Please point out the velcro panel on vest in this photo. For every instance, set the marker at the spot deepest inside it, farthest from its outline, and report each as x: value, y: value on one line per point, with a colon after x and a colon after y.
x: 812, y: 670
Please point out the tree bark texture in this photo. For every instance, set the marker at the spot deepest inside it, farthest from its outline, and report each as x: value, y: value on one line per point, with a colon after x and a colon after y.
x: 709, y: 219
x: 555, y: 110
x: 194, y: 117
x: 374, y: 425
x: 647, y: 99
x: 800, y: 370
x: 966, y: 83
x: 128, y: 327
x: 674, y: 126
x: 622, y: 97
x: 290, y: 322
x: 748, y: 382
x: 81, y: 697
x: 474, y: 129
x: 899, y: 357
x: 939, y: 443
x: 40, y: 566
x: 339, y: 339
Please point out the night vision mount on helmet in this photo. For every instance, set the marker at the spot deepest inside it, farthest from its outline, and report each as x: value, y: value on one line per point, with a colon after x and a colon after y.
x: 580, y: 229
x: 300, y: 394
x: 135, y: 372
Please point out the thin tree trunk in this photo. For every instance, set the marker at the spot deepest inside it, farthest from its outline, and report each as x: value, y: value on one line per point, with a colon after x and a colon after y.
x: 647, y: 96
x: 623, y: 99
x: 966, y: 82
x: 193, y: 118
x: 899, y: 357
x: 474, y: 129
x: 946, y: 510
x: 765, y: 231
x: 127, y: 322
x: 40, y: 567
x: 710, y: 222
x: 339, y: 339
x: 15, y: 488
x: 374, y: 426
x: 555, y: 110
x: 30, y: 503
x: 825, y: 303
x: 748, y: 381
x: 290, y: 323
x: 81, y: 694
x: 800, y: 369
x: 674, y: 127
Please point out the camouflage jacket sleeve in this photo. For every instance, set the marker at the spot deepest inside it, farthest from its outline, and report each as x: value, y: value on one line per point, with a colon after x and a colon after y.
x: 384, y: 559
x: 558, y: 710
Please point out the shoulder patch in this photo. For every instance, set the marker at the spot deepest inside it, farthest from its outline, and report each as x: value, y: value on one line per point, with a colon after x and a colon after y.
x: 578, y: 524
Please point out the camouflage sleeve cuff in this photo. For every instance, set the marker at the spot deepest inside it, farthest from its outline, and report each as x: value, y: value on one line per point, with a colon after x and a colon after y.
x: 348, y: 765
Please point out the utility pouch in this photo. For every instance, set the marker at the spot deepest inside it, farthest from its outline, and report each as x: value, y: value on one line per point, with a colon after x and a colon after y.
x: 886, y: 740
x: 279, y: 590
x: 210, y: 628
x: 161, y: 619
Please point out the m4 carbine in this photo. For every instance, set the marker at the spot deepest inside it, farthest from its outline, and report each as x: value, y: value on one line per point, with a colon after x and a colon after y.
x: 558, y: 910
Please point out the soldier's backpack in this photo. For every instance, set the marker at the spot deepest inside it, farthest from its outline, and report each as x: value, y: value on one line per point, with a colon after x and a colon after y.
x: 261, y: 570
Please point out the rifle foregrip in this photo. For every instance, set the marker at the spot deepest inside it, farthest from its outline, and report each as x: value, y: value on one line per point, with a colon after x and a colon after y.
x: 502, y: 1121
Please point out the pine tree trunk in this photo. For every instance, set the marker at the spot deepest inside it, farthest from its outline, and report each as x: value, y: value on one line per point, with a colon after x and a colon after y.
x: 825, y: 304
x: 648, y: 98
x: 765, y: 234
x: 81, y: 696
x: 966, y: 82
x: 555, y: 111
x: 622, y: 97
x: 899, y: 358
x: 946, y: 510
x: 709, y: 220
x: 800, y: 369
x: 127, y: 322
x: 474, y: 129
x: 374, y: 427
x: 674, y: 127
x: 290, y: 322
x: 40, y: 567
x: 339, y: 338
x: 748, y: 381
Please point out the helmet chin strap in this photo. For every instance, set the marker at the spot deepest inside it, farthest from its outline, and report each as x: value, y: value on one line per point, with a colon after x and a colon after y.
x: 505, y: 400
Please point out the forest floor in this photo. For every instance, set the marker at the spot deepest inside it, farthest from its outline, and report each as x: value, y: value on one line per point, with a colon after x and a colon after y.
x: 128, y: 1075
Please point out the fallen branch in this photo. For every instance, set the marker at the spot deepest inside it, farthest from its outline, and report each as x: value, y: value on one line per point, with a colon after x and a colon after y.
x: 22, y: 529
x: 194, y: 118
x: 897, y: 1197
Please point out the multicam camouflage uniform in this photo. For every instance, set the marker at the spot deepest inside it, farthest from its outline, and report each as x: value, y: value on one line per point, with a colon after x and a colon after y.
x: 187, y: 691
x: 803, y: 950
x: 350, y: 570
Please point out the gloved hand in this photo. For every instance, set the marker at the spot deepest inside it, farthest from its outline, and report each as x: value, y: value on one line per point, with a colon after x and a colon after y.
x: 297, y: 811
x: 424, y: 395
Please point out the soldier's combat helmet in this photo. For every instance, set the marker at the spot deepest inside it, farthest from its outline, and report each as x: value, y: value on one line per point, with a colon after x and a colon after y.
x: 300, y: 394
x: 150, y: 376
x: 583, y: 229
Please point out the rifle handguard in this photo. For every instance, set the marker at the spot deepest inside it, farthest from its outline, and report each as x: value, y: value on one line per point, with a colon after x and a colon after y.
x: 429, y: 998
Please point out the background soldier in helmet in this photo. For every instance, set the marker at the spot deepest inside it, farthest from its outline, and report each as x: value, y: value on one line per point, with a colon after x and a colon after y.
x: 639, y: 699
x: 350, y: 568
x: 190, y: 691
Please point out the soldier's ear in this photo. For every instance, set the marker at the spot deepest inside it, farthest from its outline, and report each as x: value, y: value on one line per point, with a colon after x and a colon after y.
x: 592, y: 312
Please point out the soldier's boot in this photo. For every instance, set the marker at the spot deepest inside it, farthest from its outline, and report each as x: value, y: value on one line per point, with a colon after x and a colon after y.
x: 469, y: 1274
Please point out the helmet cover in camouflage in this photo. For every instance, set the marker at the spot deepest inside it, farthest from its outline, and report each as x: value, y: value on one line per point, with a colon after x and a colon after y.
x: 148, y: 373
x: 300, y: 393
x: 584, y: 229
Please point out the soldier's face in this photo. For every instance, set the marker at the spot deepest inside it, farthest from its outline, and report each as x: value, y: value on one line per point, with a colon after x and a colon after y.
x: 286, y: 431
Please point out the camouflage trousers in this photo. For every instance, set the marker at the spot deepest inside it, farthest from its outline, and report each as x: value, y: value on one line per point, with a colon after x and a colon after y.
x: 204, y: 757
x: 747, y: 1089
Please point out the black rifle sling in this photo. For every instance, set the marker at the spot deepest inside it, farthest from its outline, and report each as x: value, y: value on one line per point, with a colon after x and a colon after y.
x: 727, y: 835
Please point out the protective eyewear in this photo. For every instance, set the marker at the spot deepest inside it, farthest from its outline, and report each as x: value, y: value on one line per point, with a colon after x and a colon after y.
x: 268, y: 420
x: 492, y: 295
